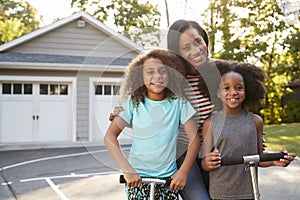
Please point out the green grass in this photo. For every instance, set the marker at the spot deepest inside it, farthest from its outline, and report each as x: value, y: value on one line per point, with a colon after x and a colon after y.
x: 283, y: 135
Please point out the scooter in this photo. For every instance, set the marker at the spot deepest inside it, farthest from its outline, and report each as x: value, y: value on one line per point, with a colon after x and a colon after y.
x: 250, y: 163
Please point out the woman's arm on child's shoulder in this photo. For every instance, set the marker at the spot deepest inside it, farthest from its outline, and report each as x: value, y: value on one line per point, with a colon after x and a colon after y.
x: 288, y: 158
x: 117, y: 110
x: 211, y: 159
x: 112, y: 144
x: 179, y: 179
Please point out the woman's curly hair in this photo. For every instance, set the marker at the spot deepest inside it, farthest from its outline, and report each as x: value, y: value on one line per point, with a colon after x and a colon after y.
x: 134, y: 84
x: 254, y: 79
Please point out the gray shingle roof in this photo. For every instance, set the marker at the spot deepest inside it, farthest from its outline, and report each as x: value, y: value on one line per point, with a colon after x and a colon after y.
x: 61, y: 59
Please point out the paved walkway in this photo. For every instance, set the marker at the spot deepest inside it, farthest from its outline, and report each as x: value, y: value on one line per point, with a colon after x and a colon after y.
x: 275, y: 183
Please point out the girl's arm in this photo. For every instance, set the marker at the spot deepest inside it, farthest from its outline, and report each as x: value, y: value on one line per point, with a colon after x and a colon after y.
x: 288, y: 158
x: 179, y: 179
x: 111, y: 141
x: 210, y: 160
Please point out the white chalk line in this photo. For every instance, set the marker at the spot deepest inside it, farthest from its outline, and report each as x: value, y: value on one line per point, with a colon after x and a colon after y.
x: 70, y: 176
x: 56, y: 189
x: 52, y: 158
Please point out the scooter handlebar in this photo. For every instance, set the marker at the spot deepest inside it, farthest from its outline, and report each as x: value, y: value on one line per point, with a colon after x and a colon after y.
x: 271, y: 156
x: 257, y: 158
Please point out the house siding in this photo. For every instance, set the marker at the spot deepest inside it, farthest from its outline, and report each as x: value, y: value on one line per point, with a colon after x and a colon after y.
x: 82, y: 106
x: 70, y: 40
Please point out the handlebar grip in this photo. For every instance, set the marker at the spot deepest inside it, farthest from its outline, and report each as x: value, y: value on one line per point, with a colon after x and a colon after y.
x: 271, y: 156
x: 168, y: 182
x: 232, y: 161
x: 242, y: 159
x: 122, y: 179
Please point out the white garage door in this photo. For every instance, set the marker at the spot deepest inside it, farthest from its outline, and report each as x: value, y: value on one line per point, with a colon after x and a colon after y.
x: 104, y: 97
x: 35, y: 112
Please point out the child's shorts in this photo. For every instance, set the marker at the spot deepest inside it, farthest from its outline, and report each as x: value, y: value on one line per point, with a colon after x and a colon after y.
x: 162, y: 192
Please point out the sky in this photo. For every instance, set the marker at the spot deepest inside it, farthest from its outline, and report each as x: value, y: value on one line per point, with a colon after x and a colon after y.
x: 53, y: 9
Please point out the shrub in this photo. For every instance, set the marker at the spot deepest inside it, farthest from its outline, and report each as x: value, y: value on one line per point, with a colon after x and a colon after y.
x: 291, y: 112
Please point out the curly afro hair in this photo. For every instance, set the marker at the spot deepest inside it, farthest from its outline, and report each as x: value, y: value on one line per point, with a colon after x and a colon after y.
x: 134, y: 84
x: 254, y: 79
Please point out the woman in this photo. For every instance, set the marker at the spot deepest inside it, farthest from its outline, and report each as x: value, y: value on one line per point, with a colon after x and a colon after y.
x: 190, y: 42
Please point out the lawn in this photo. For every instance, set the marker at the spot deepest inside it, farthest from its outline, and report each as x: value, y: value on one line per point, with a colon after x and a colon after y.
x: 283, y: 135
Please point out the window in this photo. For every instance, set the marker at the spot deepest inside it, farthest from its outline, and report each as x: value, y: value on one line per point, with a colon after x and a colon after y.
x: 63, y: 90
x: 53, y: 89
x: 27, y: 88
x: 98, y: 90
x: 116, y: 89
x: 106, y: 89
x: 17, y: 88
x: 43, y: 89
x: 6, y: 88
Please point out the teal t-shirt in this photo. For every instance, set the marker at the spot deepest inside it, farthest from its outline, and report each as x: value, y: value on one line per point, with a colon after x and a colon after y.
x: 155, y: 128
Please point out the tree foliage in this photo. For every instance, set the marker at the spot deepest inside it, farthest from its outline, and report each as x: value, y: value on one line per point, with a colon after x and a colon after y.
x: 16, y: 19
x: 256, y: 32
x: 137, y: 21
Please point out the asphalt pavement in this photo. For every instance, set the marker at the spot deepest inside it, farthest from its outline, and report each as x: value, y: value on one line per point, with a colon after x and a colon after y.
x: 89, y: 173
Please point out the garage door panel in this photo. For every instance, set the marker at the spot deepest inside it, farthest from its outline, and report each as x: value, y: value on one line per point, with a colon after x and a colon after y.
x: 34, y: 109
x: 100, y: 115
x: 103, y: 106
x: 16, y: 121
x: 53, y: 123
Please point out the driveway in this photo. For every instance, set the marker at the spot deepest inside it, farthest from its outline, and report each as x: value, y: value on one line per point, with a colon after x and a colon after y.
x: 88, y: 173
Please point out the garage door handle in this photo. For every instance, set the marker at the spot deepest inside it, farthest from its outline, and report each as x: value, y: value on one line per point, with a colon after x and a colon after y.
x: 35, y: 117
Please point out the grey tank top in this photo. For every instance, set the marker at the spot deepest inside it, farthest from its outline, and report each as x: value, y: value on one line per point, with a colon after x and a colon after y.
x: 233, y: 135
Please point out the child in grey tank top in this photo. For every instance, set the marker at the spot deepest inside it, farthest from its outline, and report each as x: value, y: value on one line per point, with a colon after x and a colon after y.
x: 234, y: 131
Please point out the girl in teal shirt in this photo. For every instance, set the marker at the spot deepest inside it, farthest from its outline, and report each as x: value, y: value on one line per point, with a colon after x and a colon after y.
x: 154, y: 106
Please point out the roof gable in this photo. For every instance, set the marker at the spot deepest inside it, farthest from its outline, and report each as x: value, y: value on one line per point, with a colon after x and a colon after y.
x: 61, y: 23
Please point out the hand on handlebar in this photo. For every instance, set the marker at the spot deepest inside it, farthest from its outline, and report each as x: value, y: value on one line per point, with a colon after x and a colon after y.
x: 179, y: 180
x: 133, y: 179
x: 211, y: 160
x: 288, y: 158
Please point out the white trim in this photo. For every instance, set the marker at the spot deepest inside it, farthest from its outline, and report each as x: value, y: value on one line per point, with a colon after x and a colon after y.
x: 64, y: 67
x: 91, y: 107
x: 72, y: 80
x: 106, y: 80
x: 92, y: 80
x: 37, y: 78
x: 94, y: 22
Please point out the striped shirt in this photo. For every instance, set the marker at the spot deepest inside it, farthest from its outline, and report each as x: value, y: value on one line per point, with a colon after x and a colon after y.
x: 200, y: 103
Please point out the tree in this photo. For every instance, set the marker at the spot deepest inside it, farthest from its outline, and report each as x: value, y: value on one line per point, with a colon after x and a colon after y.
x: 167, y: 13
x: 256, y: 32
x: 137, y: 21
x: 16, y: 19
x: 291, y: 47
x: 220, y: 20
